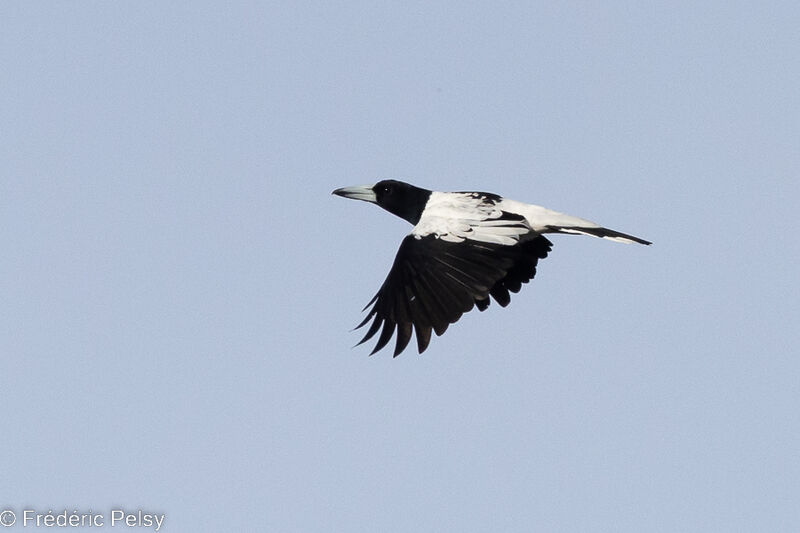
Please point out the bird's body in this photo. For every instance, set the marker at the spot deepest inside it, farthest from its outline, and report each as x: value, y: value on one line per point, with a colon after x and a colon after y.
x: 464, y: 248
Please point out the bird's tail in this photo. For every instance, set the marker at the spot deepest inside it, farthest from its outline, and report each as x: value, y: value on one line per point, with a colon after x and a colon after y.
x: 544, y: 220
x: 597, y: 231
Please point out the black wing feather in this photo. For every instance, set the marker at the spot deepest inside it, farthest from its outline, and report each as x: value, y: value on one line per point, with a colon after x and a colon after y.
x: 433, y: 282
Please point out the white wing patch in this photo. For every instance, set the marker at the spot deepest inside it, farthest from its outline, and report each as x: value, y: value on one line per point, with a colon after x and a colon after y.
x: 455, y: 217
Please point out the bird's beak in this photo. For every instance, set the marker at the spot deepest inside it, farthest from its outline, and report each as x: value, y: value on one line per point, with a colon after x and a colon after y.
x: 362, y: 192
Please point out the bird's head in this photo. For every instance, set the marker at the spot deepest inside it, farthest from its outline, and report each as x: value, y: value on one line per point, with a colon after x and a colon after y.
x: 397, y: 197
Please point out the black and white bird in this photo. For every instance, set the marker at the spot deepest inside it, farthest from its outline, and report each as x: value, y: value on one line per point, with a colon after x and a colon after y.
x: 465, y: 247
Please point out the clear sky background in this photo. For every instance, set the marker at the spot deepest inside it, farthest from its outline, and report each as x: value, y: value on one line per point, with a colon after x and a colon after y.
x: 177, y: 284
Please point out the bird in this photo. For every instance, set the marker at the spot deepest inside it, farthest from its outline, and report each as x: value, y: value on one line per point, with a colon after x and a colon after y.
x: 465, y: 249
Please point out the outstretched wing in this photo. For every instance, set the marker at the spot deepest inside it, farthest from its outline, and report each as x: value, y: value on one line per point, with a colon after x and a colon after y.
x: 433, y: 281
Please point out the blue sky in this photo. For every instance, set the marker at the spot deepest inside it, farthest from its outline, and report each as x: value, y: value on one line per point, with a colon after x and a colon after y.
x: 178, y: 284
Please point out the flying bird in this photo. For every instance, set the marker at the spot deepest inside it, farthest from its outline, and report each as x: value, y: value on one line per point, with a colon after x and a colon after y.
x: 465, y: 247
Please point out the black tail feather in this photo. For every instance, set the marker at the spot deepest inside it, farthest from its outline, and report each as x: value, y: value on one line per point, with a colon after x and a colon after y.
x: 598, y: 232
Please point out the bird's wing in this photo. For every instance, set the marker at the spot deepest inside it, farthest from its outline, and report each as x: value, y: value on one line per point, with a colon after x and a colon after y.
x: 437, y: 277
x: 474, y: 216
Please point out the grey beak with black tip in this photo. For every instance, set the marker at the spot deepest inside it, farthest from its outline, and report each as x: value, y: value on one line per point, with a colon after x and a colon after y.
x: 362, y: 192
